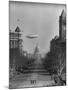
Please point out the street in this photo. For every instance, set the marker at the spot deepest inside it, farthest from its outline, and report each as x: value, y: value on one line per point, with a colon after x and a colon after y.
x: 37, y: 78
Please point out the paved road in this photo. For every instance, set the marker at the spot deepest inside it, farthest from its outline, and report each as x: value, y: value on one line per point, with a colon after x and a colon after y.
x: 38, y: 77
x: 30, y: 80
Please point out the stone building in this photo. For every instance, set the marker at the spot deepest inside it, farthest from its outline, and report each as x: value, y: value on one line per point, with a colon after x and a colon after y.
x: 15, y: 43
x: 58, y: 48
x: 62, y: 26
x: 61, y: 40
x: 55, y: 61
x: 15, y: 38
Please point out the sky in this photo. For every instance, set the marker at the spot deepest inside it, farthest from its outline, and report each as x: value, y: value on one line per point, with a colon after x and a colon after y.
x: 35, y: 18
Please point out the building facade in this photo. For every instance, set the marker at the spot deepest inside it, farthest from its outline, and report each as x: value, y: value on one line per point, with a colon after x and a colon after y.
x: 58, y: 48
x: 55, y: 61
x: 15, y: 38
x: 15, y: 45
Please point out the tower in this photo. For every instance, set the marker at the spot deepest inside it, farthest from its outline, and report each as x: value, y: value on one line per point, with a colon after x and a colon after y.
x: 62, y: 25
x: 18, y: 36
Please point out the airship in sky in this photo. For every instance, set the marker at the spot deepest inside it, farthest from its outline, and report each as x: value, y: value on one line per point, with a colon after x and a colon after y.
x: 32, y: 36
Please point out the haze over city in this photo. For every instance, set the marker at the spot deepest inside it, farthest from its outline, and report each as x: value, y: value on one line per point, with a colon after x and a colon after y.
x: 33, y: 18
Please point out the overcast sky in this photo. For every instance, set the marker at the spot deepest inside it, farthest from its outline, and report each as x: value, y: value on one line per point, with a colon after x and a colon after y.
x: 33, y: 18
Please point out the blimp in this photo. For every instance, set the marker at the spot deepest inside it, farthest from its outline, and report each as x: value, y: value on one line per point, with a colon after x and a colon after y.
x: 31, y: 36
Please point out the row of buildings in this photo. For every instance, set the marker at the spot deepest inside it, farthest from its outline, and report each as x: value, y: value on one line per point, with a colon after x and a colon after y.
x: 57, y: 55
x: 17, y: 53
x: 57, y: 45
x: 15, y: 45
